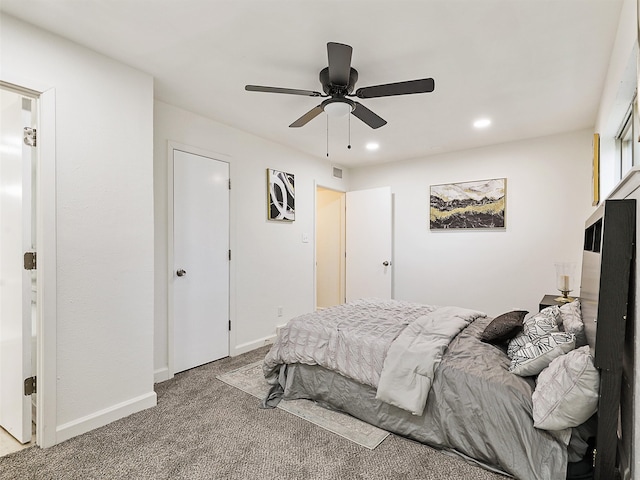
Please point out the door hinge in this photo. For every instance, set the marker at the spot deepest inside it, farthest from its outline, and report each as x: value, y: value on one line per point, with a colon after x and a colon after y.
x: 30, y: 260
x: 229, y: 325
x: 229, y: 254
x: 30, y: 385
x: 30, y: 136
x: 229, y: 184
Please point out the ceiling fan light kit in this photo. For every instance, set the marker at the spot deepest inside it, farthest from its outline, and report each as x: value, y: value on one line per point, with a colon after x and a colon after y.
x: 338, y: 107
x: 338, y: 80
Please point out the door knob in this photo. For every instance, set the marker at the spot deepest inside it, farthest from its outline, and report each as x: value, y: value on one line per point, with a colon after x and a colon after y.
x: 181, y: 273
x: 386, y: 263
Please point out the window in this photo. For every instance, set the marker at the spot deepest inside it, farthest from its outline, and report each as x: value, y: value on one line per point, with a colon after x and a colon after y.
x: 627, y: 150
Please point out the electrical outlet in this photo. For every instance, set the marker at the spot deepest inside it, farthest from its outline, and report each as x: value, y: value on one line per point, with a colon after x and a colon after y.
x: 280, y: 311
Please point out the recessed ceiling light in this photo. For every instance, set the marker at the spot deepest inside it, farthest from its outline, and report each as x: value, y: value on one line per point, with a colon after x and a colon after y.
x: 372, y: 146
x: 482, y: 123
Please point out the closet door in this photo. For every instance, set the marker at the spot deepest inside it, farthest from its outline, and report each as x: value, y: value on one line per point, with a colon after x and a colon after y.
x: 200, y: 276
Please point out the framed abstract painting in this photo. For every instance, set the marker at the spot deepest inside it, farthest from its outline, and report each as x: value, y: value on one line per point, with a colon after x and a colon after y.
x: 281, y: 199
x: 479, y: 204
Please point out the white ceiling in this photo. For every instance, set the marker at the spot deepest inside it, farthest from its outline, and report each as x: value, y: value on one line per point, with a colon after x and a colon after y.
x: 535, y: 67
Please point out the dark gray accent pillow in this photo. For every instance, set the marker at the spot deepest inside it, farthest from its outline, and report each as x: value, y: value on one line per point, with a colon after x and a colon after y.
x: 504, y: 327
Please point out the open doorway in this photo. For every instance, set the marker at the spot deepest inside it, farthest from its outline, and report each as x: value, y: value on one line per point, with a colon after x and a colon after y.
x: 330, y: 247
x: 18, y: 278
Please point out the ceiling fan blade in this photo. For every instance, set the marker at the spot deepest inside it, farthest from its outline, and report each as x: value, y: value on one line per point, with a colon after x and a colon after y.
x: 424, y: 85
x: 339, y: 63
x: 367, y: 116
x: 307, y: 117
x: 290, y: 91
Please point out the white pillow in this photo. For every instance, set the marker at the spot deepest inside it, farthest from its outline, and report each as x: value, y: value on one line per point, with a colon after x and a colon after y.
x: 571, y: 319
x: 566, y: 394
x: 536, y: 355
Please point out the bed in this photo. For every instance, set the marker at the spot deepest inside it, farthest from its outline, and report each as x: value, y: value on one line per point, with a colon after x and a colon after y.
x: 428, y: 372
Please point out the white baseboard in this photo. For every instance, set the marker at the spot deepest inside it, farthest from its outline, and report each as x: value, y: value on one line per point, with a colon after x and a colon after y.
x: 161, y: 375
x: 261, y: 342
x: 247, y: 347
x: 104, y: 417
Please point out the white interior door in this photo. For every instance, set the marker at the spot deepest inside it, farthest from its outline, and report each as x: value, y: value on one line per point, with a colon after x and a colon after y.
x: 368, y: 242
x: 200, y: 260
x: 17, y: 285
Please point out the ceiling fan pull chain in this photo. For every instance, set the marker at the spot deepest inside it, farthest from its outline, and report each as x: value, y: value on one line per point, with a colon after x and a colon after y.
x: 327, y: 136
x: 349, y: 145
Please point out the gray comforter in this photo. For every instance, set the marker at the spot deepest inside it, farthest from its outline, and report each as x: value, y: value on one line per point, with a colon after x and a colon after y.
x: 351, y: 339
x: 413, y: 357
x: 475, y: 406
x: 391, y: 345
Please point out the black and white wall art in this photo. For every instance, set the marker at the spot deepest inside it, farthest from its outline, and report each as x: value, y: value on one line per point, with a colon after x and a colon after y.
x: 479, y: 204
x: 281, y: 195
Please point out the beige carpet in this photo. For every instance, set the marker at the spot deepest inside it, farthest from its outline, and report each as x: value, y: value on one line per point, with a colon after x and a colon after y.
x: 250, y: 379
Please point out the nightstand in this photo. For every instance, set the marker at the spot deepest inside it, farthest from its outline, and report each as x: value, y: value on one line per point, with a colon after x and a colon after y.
x: 549, y: 300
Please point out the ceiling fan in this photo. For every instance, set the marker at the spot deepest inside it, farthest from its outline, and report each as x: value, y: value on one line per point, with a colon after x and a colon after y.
x: 338, y: 81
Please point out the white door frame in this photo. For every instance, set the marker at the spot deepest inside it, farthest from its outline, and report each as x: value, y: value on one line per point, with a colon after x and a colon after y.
x: 46, y: 367
x: 171, y: 147
x: 46, y: 412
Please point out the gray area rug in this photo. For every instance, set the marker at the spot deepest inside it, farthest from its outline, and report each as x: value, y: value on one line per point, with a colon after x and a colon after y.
x: 203, y: 428
x: 250, y: 379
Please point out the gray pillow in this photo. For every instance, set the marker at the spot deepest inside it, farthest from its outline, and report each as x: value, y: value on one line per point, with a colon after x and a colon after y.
x: 504, y: 327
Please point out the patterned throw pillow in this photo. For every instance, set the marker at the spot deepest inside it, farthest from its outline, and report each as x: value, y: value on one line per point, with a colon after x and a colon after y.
x: 536, y: 355
x: 571, y: 321
x: 536, y: 326
x: 516, y: 343
x: 544, y: 322
x: 566, y: 393
x: 504, y: 327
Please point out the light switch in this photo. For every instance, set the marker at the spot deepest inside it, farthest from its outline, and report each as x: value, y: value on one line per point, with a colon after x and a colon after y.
x: 305, y: 238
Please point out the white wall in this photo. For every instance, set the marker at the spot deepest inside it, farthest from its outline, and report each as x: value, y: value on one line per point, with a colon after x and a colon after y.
x: 620, y: 85
x: 270, y: 266
x: 104, y: 230
x: 548, y: 200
